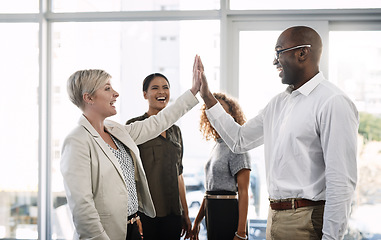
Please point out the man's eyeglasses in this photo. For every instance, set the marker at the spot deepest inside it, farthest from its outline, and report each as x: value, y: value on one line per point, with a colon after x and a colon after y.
x: 278, y: 52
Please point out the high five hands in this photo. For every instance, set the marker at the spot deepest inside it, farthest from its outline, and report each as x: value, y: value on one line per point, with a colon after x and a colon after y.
x: 200, y: 78
x: 196, y: 80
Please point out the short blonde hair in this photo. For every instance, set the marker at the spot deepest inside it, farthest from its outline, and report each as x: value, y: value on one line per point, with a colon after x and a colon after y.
x: 85, y: 81
x: 235, y: 111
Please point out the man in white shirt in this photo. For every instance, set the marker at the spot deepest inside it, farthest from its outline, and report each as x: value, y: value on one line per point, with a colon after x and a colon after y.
x: 309, y: 134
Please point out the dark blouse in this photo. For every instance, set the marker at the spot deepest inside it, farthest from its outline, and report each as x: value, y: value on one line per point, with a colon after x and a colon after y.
x: 162, y: 162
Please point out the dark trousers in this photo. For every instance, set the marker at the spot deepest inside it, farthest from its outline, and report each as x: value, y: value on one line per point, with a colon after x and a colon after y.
x: 133, y: 232
x: 161, y: 228
x: 221, y: 217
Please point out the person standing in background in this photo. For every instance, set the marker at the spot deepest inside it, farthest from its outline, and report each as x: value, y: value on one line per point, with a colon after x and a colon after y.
x: 226, y: 173
x: 162, y: 162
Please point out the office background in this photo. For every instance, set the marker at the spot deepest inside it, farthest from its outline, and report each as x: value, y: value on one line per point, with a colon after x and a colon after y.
x: 43, y: 41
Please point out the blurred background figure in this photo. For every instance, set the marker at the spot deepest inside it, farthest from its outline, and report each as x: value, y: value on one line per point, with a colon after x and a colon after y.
x: 226, y: 173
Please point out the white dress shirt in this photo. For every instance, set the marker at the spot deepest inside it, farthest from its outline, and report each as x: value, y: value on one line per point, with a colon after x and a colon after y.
x: 310, y: 142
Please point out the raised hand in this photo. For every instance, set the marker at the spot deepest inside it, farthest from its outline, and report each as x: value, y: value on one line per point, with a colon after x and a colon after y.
x: 196, y: 80
x: 204, y: 89
x: 205, y: 93
x: 200, y: 66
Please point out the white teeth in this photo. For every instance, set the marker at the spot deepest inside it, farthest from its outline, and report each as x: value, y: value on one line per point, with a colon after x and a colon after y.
x: 161, y: 98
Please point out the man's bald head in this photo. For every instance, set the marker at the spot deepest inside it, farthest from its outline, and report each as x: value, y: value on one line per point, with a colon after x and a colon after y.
x: 298, y: 64
x: 300, y: 35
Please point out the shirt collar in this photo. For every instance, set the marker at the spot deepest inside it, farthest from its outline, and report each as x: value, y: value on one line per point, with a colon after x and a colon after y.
x: 310, y: 85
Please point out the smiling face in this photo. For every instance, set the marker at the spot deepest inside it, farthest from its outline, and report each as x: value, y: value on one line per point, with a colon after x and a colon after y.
x: 103, y: 100
x: 299, y: 62
x: 157, y: 94
x: 287, y: 63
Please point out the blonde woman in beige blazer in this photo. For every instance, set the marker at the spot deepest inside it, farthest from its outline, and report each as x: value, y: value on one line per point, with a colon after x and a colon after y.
x: 95, y: 183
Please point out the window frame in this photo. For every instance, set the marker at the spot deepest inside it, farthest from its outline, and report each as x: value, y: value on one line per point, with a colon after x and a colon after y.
x: 323, y: 20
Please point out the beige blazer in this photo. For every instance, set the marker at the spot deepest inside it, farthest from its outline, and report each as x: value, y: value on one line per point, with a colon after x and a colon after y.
x: 93, y: 180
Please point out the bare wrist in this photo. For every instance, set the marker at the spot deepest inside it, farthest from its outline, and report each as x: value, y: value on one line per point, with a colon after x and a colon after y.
x: 185, y: 213
x: 243, y: 237
x: 209, y: 100
x: 194, y: 90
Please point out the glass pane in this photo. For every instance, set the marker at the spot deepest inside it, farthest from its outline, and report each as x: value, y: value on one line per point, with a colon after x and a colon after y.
x: 19, y: 6
x: 129, y: 55
x: 19, y: 137
x: 300, y: 4
x: 131, y: 5
x: 354, y: 67
x: 258, y: 83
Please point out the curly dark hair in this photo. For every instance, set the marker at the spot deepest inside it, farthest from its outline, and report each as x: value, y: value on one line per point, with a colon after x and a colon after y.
x: 235, y: 111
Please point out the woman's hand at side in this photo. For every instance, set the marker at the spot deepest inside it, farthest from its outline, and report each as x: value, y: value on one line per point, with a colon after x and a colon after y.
x: 195, y: 231
x: 197, y: 221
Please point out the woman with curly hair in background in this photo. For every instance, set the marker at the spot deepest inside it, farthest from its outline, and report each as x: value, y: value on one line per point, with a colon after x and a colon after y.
x: 226, y: 174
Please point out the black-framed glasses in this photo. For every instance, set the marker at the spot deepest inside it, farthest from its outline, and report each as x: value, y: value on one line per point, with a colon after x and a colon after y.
x: 278, y: 52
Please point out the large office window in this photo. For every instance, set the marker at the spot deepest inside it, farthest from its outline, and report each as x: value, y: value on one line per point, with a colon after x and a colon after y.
x: 258, y: 83
x: 354, y: 58
x: 19, y: 137
x: 131, y: 39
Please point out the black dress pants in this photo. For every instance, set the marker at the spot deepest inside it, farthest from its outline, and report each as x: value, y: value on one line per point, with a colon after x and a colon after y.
x: 133, y: 231
x: 161, y: 228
